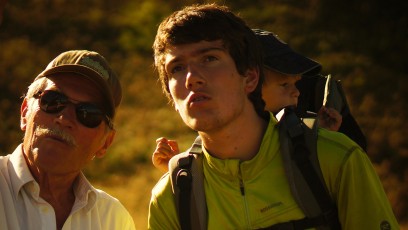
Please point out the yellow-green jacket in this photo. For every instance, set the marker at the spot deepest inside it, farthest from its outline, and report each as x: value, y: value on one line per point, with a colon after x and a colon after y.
x: 255, y: 194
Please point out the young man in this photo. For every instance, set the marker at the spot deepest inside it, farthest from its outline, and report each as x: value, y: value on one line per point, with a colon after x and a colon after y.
x: 210, y: 67
x: 283, y: 68
x: 67, y: 118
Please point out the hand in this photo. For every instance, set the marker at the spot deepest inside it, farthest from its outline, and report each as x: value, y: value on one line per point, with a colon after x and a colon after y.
x: 165, y: 150
x: 329, y: 118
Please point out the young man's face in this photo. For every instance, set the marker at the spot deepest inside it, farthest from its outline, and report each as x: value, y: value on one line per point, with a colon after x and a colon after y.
x: 279, y: 90
x: 207, y: 90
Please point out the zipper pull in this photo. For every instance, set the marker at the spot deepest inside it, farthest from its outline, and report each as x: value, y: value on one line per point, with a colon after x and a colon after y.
x: 241, y: 187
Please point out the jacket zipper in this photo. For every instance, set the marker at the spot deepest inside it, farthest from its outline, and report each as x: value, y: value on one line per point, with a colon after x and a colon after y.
x: 242, y: 189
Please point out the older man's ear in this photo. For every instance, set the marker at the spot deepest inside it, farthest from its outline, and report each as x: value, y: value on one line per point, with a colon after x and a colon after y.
x: 108, y: 142
x: 23, y: 115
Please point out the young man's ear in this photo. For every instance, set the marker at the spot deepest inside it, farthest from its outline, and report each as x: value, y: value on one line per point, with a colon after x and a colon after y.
x: 251, y: 79
x: 175, y: 106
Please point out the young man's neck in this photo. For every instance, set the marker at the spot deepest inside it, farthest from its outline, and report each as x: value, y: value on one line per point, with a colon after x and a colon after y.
x: 240, y: 140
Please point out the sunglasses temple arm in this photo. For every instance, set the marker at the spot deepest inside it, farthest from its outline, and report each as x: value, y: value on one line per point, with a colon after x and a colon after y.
x: 109, y: 121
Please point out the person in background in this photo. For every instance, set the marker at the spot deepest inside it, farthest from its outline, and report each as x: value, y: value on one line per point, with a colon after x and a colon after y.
x: 211, y: 68
x: 282, y: 59
x: 67, y: 116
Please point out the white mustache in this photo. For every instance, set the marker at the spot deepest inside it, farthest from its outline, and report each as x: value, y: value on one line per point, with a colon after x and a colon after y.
x: 42, y: 131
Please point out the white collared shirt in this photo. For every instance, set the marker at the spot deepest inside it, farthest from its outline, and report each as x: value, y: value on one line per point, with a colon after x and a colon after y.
x: 21, y: 207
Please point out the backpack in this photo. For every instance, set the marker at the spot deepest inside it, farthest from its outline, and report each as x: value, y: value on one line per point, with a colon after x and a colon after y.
x: 317, y: 90
x: 298, y: 141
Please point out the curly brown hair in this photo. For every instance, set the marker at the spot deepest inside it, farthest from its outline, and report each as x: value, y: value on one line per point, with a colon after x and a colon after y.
x: 210, y: 22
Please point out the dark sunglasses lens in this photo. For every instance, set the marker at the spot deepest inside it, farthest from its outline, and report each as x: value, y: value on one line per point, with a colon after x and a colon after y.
x: 89, y: 115
x: 53, y: 102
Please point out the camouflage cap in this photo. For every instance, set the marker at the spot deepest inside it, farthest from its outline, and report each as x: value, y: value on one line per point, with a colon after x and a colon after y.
x: 93, y: 66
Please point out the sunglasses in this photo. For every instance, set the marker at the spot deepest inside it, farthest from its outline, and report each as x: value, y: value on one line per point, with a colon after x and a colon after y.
x: 87, y: 114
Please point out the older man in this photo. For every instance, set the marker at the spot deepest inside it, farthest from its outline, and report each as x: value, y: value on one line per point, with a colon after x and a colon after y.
x: 67, y: 118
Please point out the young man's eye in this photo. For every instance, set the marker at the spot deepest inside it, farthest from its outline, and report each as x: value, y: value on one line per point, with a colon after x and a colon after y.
x: 176, y: 69
x: 210, y: 58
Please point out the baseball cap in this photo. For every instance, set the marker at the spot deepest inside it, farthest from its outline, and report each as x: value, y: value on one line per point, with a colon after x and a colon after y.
x: 94, y: 67
x: 281, y: 58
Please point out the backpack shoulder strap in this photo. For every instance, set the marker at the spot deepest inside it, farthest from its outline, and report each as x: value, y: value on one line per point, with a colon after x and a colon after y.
x: 298, y: 140
x: 187, y: 179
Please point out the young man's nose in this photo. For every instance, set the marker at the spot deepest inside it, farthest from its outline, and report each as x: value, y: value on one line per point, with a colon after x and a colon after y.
x: 194, y: 78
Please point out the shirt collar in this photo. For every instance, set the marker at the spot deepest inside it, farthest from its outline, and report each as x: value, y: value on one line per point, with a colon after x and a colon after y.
x: 19, y: 172
x: 85, y: 193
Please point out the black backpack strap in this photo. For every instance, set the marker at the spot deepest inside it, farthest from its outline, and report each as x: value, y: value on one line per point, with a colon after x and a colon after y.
x: 329, y: 210
x: 299, y: 153
x: 187, y: 180
x: 183, y: 182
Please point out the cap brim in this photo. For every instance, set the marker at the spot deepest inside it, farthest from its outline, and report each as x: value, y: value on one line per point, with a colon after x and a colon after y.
x: 89, y: 73
x: 292, y: 63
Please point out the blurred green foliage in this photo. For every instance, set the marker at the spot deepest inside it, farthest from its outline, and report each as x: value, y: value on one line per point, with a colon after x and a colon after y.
x: 363, y: 43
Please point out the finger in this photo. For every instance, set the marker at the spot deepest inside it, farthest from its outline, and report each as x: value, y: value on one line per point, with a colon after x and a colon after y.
x: 159, y: 158
x: 161, y: 164
x: 335, y: 114
x: 164, y: 150
x: 161, y: 139
x: 174, y: 146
